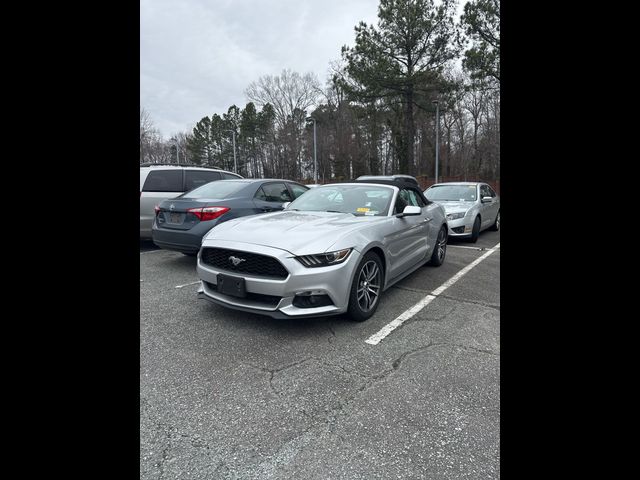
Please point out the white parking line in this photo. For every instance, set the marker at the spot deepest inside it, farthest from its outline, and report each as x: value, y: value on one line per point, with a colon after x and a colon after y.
x: 471, y: 248
x: 407, y: 314
x: 150, y: 251
x: 187, y: 284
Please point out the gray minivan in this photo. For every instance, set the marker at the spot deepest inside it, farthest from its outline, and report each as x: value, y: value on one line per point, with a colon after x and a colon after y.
x: 159, y: 182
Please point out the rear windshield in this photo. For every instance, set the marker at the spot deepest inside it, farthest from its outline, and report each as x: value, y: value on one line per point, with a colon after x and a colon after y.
x: 218, y: 189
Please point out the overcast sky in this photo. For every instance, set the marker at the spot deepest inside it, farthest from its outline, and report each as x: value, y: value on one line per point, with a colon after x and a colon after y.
x: 198, y: 56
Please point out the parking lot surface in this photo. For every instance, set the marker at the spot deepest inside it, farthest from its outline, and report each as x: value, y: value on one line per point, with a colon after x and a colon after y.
x: 227, y: 394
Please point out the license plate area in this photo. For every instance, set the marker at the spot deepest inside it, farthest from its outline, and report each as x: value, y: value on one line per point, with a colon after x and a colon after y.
x: 231, y: 285
x: 175, y: 217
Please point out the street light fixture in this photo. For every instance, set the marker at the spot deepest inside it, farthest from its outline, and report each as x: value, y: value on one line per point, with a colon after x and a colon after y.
x: 315, y: 157
x: 235, y: 162
x: 436, y: 103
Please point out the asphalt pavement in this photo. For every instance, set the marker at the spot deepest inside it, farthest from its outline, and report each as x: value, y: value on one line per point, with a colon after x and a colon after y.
x: 227, y: 394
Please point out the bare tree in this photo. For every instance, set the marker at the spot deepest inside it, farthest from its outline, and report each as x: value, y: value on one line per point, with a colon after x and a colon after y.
x: 146, y: 129
x: 287, y: 93
x: 178, y: 143
x: 290, y: 95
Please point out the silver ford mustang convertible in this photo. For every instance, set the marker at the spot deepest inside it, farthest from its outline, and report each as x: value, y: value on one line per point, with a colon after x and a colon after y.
x: 335, y: 249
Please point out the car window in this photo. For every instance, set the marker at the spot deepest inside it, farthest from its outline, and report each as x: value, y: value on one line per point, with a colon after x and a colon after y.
x: 276, y: 192
x: 484, y: 191
x: 297, y: 189
x: 417, y: 199
x: 229, y: 176
x: 215, y: 190
x: 407, y: 197
x: 197, y: 178
x: 260, y: 195
x: 163, y: 181
x: 492, y: 192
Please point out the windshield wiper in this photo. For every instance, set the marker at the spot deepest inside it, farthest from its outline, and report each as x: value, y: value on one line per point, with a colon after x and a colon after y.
x: 336, y: 211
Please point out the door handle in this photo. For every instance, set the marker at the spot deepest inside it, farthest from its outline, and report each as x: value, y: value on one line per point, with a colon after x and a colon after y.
x: 427, y: 220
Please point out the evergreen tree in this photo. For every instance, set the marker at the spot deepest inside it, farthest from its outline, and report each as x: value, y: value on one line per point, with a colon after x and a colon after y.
x: 402, y: 58
x: 481, y: 20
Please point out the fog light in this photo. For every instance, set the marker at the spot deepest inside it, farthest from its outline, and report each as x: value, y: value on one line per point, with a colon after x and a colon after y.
x: 311, y: 299
x: 467, y: 228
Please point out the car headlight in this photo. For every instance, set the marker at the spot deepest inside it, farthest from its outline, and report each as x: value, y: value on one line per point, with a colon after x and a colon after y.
x: 455, y: 216
x: 324, y: 259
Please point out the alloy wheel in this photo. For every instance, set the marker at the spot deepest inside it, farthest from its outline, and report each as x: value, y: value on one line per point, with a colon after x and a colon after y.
x: 368, y: 286
x: 442, y: 244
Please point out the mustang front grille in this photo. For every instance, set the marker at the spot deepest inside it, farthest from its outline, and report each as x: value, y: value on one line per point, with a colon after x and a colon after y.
x: 235, y: 261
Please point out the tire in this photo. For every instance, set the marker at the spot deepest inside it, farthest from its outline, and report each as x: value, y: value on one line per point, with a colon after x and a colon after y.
x: 496, y: 225
x: 475, y: 232
x: 369, y: 273
x: 440, y: 250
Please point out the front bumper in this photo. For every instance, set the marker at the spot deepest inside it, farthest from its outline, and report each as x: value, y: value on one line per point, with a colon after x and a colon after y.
x: 460, y: 227
x: 334, y: 281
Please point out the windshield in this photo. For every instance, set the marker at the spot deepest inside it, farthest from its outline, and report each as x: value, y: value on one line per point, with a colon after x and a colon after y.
x: 453, y: 193
x: 215, y: 189
x: 358, y: 200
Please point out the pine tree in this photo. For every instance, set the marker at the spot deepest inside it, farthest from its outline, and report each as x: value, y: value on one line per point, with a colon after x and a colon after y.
x: 401, y: 60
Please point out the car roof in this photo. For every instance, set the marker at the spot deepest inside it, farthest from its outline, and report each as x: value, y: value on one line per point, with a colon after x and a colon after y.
x: 256, y: 180
x: 169, y: 166
x: 356, y: 183
x: 401, y: 177
x: 456, y: 183
x: 398, y: 182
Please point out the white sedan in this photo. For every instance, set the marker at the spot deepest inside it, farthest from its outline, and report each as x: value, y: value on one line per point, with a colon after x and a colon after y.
x: 471, y: 207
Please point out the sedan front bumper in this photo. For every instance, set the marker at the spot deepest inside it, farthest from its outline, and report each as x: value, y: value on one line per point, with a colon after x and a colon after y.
x: 274, y: 297
x: 461, y: 227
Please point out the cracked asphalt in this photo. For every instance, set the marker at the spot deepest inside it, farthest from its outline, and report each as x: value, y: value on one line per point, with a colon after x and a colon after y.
x: 231, y: 395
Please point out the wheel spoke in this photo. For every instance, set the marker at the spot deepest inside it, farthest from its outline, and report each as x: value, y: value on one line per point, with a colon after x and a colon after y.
x: 373, y: 273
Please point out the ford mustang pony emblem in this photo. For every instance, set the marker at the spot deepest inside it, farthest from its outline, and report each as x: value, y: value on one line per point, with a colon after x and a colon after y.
x: 236, y: 261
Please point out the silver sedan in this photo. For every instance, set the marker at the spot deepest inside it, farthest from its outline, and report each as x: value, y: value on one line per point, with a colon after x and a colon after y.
x: 335, y: 249
x: 471, y: 207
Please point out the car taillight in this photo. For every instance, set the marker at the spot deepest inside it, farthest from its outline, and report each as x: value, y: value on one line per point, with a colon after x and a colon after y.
x: 157, y: 209
x: 208, y: 213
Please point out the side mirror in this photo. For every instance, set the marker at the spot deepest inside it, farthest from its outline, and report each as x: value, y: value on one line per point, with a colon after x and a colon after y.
x: 409, y: 210
x: 487, y: 199
x: 285, y: 205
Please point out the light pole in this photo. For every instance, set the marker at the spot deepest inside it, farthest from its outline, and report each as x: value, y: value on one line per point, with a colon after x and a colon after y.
x: 235, y: 162
x: 315, y: 157
x: 437, y: 126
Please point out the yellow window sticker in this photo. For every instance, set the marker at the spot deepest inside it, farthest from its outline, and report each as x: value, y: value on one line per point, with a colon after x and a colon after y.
x: 362, y: 209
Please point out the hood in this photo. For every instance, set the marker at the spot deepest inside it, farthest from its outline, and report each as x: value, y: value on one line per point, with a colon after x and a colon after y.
x: 455, y: 206
x: 300, y: 233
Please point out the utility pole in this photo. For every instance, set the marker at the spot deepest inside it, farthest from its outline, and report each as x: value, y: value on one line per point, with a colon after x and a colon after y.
x: 437, y: 127
x: 235, y: 162
x: 315, y: 156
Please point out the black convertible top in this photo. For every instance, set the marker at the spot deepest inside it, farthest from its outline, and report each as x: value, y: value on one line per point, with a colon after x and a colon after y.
x: 400, y: 184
